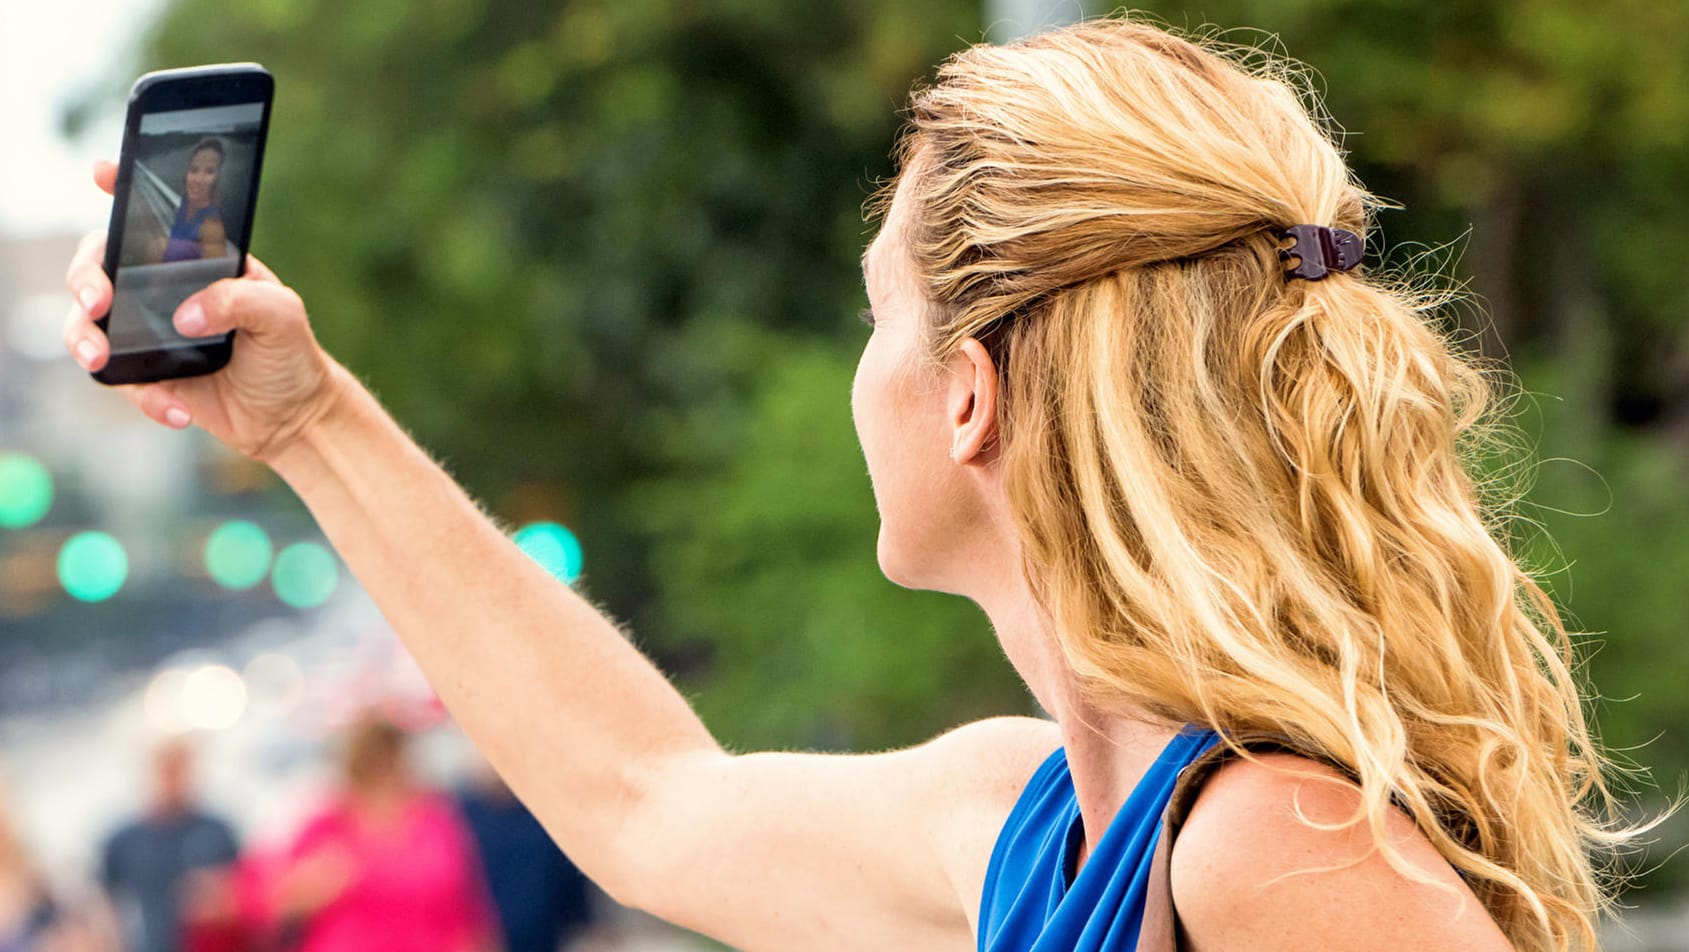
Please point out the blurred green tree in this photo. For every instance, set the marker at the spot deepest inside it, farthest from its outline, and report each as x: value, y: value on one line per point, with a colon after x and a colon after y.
x: 607, y: 248
x: 575, y: 247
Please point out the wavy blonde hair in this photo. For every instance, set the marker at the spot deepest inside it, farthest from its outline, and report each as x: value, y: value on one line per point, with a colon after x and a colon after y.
x: 1242, y: 498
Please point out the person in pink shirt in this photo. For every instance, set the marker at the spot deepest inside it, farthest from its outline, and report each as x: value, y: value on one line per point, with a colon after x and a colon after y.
x: 388, y: 865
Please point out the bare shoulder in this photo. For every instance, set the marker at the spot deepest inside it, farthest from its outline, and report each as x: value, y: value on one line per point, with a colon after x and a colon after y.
x: 1267, y: 860
x: 991, y: 760
x: 978, y: 771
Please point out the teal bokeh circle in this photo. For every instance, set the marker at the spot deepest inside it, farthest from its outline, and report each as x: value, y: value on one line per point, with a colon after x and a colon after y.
x: 26, y: 491
x: 92, y: 566
x: 305, y: 575
x: 555, y: 548
x: 238, y: 555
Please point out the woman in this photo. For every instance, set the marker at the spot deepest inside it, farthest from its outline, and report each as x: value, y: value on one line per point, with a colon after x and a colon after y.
x: 198, y: 229
x: 1195, y: 493
x: 388, y: 865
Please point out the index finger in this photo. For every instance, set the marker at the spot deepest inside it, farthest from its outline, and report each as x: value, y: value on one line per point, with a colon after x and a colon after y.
x: 259, y: 271
x: 86, y: 276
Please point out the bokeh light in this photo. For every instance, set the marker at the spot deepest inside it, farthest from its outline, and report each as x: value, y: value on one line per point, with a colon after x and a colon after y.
x: 213, y: 698
x: 163, y: 702
x: 26, y: 491
x: 555, y: 548
x: 209, y: 697
x: 92, y: 566
x: 237, y: 555
x: 305, y: 575
x: 275, y: 683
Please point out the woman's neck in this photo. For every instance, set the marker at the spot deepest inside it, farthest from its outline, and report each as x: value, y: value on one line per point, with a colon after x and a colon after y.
x: 384, y: 799
x: 1108, y: 754
x: 1108, y: 751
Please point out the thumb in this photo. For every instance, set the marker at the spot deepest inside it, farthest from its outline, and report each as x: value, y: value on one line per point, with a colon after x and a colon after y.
x: 230, y: 304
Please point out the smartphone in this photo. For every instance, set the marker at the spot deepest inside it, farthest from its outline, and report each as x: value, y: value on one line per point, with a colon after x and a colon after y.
x: 181, y: 215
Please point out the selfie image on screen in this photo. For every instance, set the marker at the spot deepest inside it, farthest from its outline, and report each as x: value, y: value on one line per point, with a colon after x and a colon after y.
x: 185, y: 226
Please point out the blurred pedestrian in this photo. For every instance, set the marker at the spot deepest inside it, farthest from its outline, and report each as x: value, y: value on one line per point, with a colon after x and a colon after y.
x: 164, y: 870
x: 27, y: 912
x: 387, y: 865
x: 542, y: 900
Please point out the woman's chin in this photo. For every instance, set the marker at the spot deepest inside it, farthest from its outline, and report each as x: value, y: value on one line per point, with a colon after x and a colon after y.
x: 906, y: 566
x: 895, y: 562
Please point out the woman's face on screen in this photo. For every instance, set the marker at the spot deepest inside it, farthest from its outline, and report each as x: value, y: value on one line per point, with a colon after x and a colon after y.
x: 203, y: 170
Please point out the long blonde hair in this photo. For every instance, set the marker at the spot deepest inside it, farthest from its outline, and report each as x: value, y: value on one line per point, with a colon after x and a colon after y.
x: 1242, y: 498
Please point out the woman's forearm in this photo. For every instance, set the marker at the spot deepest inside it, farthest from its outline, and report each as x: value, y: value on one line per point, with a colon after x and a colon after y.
x: 568, y: 711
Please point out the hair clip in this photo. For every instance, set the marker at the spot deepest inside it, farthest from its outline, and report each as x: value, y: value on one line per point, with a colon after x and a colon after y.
x: 1320, y: 251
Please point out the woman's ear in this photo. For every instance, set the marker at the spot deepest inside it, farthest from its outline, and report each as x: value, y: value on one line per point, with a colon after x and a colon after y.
x: 970, y: 403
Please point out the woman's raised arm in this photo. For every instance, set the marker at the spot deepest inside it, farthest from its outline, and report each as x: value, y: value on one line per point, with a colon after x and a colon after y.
x: 771, y: 851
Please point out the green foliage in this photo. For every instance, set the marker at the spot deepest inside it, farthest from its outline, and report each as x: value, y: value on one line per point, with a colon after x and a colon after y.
x: 1609, y: 521
x: 608, y: 249
x: 535, y: 230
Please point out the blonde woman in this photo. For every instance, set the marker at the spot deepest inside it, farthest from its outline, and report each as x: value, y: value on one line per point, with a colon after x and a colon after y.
x: 1210, y: 499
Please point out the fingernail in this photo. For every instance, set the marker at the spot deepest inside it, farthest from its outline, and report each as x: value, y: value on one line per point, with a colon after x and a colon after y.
x: 86, y: 352
x: 190, y: 320
x: 176, y: 417
x: 90, y: 299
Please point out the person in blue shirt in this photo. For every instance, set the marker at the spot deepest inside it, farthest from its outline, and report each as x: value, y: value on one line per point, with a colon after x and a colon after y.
x: 155, y: 865
x: 1129, y: 388
x: 30, y: 919
x: 542, y: 900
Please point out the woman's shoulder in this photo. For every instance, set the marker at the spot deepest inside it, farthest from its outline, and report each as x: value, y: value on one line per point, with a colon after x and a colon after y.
x: 1277, y: 853
x: 998, y: 754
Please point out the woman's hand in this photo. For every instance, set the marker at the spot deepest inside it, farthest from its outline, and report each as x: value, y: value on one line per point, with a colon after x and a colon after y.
x: 277, y: 383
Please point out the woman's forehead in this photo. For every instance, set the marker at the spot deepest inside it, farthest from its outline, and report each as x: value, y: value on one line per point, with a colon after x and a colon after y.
x: 885, y: 259
x: 882, y: 270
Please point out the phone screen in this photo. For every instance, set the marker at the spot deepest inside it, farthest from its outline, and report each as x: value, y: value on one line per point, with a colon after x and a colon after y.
x: 182, y: 212
x: 186, y: 224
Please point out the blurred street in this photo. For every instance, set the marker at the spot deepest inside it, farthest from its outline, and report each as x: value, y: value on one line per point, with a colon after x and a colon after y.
x: 74, y: 772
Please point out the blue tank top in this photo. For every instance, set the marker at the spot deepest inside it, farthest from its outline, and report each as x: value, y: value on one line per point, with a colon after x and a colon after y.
x: 184, y: 233
x: 1033, y: 903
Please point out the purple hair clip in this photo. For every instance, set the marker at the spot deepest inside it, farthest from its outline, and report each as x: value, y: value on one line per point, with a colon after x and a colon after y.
x: 1320, y: 250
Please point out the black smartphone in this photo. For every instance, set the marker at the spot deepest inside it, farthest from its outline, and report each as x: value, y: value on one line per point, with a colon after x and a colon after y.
x: 181, y: 216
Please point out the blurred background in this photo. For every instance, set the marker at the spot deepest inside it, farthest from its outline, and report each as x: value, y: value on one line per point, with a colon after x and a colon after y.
x: 600, y: 257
